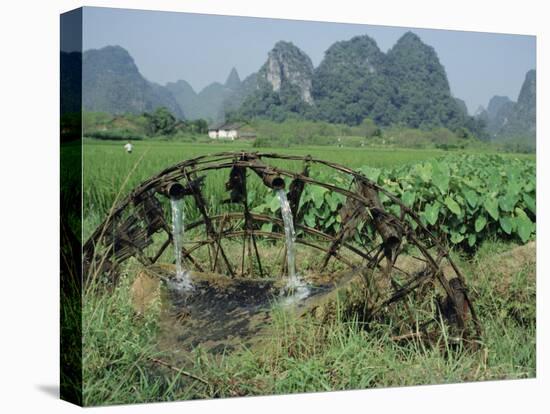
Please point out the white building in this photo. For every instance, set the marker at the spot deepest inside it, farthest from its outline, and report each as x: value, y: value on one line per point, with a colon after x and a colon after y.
x: 225, y: 131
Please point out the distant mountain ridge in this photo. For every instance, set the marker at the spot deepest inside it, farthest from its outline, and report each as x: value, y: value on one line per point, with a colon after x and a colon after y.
x: 355, y: 80
x: 112, y: 83
x: 422, y: 92
x: 523, y: 117
x: 287, y: 65
x: 282, y: 85
x: 497, y: 113
x: 507, y: 119
x: 210, y: 102
x: 350, y: 83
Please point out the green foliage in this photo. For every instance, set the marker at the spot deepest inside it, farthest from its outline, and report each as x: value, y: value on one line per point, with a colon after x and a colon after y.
x: 437, y: 137
x: 468, y: 198
x: 286, y: 100
x: 296, y: 132
x: 116, y: 347
x: 478, y: 196
x: 519, y: 144
x: 350, y: 85
x: 368, y: 128
x: 161, y: 122
x: 480, y: 223
x: 358, y: 85
x: 453, y: 206
x: 286, y: 104
x: 422, y: 94
x: 303, y: 354
x: 115, y: 135
x: 468, y: 179
x: 491, y: 206
x: 200, y: 126
x: 306, y: 355
x: 100, y: 125
x: 103, y: 183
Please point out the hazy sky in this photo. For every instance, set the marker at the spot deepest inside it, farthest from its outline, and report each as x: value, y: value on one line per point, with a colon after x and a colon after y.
x: 201, y: 49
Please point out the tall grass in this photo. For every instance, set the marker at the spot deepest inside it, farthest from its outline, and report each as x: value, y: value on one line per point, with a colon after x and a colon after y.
x: 106, y: 166
x: 120, y: 347
x: 305, y: 355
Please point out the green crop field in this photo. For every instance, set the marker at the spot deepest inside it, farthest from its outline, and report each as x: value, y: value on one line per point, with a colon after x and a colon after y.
x: 483, y: 204
x: 107, y: 166
x: 110, y: 172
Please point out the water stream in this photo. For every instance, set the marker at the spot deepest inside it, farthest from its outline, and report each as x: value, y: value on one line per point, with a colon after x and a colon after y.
x: 294, y: 285
x: 182, y: 280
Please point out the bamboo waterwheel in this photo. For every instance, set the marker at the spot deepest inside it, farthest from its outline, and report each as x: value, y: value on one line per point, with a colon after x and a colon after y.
x: 389, y: 255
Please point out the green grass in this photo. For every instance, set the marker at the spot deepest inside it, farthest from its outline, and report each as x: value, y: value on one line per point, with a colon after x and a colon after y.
x: 304, y: 355
x: 106, y: 165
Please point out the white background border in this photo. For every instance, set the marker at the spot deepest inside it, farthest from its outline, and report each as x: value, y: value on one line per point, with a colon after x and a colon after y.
x: 29, y: 162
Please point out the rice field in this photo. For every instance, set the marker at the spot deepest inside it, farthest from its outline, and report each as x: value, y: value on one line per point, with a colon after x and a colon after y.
x: 108, y: 170
x: 304, y: 356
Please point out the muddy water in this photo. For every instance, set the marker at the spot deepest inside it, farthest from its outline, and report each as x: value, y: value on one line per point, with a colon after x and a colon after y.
x: 221, y: 314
